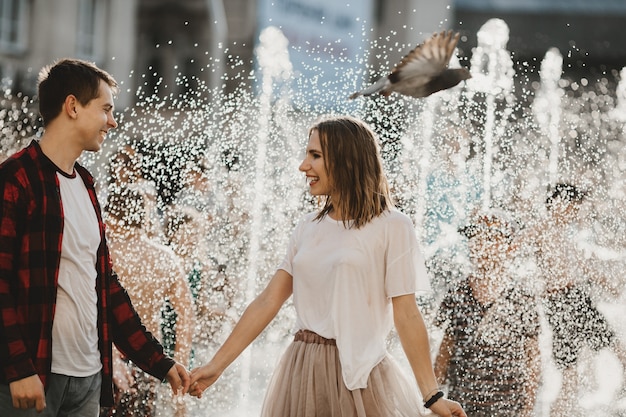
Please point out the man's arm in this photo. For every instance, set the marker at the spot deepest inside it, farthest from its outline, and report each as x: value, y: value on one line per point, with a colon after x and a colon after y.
x: 533, y: 370
x: 19, y: 371
x: 442, y: 361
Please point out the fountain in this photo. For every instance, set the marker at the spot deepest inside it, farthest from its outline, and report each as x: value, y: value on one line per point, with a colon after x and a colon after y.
x: 492, y: 75
x: 505, y: 135
x: 547, y: 106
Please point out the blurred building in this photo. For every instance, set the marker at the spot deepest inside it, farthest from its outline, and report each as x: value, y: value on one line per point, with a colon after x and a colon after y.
x: 587, y: 33
x: 148, y: 44
x: 33, y: 33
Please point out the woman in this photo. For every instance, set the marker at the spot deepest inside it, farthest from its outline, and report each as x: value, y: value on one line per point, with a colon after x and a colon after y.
x: 353, y: 269
x: 151, y: 273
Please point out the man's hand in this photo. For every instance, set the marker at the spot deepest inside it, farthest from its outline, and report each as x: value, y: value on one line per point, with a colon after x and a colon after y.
x: 178, y: 378
x: 28, y: 393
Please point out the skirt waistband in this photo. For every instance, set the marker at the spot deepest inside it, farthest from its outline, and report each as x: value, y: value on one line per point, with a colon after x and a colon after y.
x: 308, y: 336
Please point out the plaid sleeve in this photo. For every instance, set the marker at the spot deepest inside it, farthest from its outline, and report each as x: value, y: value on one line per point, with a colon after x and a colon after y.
x: 15, y: 360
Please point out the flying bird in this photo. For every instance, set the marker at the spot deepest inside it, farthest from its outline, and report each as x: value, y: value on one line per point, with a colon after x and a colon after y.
x: 422, y: 71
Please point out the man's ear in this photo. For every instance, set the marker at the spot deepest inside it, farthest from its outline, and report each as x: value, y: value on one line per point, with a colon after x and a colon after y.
x: 69, y: 106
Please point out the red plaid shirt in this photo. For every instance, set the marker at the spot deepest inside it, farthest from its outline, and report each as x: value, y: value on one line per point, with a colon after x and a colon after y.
x: 31, y: 232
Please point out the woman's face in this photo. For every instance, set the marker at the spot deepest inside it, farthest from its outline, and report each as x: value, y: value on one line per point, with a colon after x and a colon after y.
x: 313, y: 167
x: 125, y: 167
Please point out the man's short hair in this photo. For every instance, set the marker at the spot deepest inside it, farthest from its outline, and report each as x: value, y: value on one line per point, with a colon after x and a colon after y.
x: 565, y: 192
x: 69, y: 77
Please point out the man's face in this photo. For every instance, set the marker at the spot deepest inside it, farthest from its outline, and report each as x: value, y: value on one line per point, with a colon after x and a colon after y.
x: 489, y: 246
x: 95, y: 119
x: 565, y: 210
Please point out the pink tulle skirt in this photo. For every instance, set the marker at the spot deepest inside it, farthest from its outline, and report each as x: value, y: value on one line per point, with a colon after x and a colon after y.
x: 308, y: 383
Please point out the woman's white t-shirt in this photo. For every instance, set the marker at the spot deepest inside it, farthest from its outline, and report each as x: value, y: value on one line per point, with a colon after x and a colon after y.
x: 343, y: 281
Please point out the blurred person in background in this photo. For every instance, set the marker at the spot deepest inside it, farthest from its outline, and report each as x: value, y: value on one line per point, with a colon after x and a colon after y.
x: 489, y: 356
x: 151, y: 273
x: 566, y: 274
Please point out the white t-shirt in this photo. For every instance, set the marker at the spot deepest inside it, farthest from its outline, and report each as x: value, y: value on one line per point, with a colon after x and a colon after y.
x: 343, y: 281
x: 74, y: 329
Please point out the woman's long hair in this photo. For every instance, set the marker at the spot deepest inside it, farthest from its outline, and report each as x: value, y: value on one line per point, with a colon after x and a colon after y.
x: 352, y: 161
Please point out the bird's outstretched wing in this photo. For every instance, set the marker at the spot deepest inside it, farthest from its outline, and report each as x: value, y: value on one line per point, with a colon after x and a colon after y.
x: 428, y: 59
x: 419, y: 72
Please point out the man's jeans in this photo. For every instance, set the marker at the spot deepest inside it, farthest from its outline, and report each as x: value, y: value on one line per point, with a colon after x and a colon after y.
x: 66, y: 396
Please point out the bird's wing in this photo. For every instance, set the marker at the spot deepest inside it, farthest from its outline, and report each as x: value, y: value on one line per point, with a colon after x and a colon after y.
x: 427, y: 60
x: 417, y: 69
x: 374, y: 88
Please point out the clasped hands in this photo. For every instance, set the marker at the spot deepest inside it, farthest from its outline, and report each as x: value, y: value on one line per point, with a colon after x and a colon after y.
x: 194, y: 383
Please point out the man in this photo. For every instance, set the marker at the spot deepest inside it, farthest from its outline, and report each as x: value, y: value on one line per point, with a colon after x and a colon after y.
x: 61, y: 305
x: 566, y: 274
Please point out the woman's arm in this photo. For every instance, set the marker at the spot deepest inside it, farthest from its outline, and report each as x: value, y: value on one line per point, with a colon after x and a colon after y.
x: 182, y: 303
x: 253, y: 321
x: 414, y: 338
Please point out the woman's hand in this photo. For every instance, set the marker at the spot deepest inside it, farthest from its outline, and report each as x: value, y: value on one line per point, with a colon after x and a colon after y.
x: 447, y: 408
x: 201, y: 379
